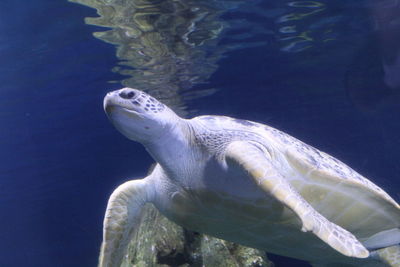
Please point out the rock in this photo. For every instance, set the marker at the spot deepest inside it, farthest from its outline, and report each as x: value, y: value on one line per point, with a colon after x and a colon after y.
x: 161, y: 243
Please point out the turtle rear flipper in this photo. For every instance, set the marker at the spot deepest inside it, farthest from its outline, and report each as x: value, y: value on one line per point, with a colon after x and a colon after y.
x: 258, y: 164
x: 383, y: 239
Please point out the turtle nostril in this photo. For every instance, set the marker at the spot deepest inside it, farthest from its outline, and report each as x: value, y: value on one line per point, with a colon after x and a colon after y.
x: 127, y: 95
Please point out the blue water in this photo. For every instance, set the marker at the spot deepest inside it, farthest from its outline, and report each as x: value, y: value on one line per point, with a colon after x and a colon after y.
x: 61, y: 158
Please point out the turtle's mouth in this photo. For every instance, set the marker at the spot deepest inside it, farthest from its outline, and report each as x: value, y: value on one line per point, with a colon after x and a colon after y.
x: 113, y: 104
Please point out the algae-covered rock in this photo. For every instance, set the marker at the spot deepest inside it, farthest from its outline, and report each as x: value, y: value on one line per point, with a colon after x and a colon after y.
x: 160, y: 242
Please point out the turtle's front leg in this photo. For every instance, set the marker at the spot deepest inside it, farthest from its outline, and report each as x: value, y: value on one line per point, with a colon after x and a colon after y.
x: 261, y: 169
x: 121, y: 220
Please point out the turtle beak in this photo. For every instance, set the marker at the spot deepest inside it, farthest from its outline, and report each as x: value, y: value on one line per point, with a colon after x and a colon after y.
x: 117, y: 102
x: 111, y: 101
x: 122, y: 98
x: 108, y: 102
x: 114, y: 100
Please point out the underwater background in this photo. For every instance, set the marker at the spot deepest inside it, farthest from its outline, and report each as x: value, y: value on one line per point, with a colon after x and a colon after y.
x: 326, y: 72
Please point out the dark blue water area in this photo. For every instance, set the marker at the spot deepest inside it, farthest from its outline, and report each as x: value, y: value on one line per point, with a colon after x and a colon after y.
x: 58, y: 152
x: 61, y: 158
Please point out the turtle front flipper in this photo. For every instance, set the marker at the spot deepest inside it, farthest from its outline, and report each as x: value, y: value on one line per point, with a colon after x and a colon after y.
x: 259, y: 165
x: 121, y: 220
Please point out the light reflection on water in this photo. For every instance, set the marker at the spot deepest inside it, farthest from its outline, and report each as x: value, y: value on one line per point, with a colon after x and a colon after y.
x: 172, y: 48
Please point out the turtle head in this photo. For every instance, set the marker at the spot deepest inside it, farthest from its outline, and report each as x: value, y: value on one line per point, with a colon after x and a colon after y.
x: 139, y: 116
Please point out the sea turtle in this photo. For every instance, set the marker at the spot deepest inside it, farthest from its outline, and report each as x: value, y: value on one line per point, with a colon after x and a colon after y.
x: 248, y: 183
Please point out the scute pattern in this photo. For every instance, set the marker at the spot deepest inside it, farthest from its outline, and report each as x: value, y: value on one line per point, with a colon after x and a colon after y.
x: 329, y: 167
x: 216, y: 141
x: 223, y: 129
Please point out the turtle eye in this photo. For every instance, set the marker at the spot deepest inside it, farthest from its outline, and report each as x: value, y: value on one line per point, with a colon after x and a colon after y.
x: 127, y: 95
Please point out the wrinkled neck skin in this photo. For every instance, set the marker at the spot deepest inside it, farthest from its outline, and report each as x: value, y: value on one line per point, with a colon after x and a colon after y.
x: 175, y: 150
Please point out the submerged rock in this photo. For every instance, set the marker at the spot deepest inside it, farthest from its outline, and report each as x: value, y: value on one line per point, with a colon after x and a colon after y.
x: 160, y: 242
